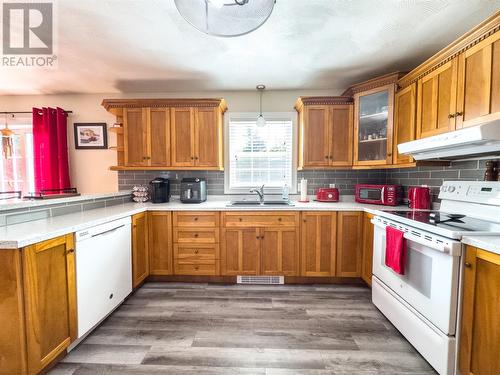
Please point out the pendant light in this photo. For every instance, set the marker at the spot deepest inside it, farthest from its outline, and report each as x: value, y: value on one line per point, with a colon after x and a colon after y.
x: 226, y: 18
x: 261, y: 121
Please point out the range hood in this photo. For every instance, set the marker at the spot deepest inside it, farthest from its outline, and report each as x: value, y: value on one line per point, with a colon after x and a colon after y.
x: 478, y: 141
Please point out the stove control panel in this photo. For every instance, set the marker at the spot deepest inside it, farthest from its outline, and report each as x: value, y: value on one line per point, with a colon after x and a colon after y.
x: 484, y: 192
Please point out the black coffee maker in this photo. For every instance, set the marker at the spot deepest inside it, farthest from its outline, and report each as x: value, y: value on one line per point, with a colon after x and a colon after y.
x: 160, y: 190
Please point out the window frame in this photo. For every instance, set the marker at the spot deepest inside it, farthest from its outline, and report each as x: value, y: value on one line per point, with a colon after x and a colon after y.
x: 252, y: 116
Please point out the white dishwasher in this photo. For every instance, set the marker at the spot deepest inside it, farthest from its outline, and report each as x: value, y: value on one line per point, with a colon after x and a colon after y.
x: 103, y: 271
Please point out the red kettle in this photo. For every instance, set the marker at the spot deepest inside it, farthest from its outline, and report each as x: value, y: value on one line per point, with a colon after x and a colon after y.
x: 419, y: 197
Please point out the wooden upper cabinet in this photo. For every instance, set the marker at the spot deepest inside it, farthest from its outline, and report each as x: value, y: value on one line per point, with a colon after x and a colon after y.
x: 349, y: 246
x: 436, y: 101
x: 367, y: 263
x: 168, y: 133
x: 480, y: 331
x: 160, y: 243
x: 325, y: 132
x: 373, y: 124
x: 479, y: 83
x: 140, y: 249
x: 50, y: 300
x: 182, y: 132
x: 135, y: 136
x: 318, y: 243
x: 315, y: 132
x: 158, y: 136
x: 341, y: 139
x: 208, y: 138
x: 404, y: 121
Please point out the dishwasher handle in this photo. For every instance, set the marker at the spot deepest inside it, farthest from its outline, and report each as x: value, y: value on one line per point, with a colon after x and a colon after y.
x: 108, y: 231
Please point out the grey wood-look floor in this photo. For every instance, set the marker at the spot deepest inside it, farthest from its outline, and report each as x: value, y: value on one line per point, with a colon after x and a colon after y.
x: 172, y: 328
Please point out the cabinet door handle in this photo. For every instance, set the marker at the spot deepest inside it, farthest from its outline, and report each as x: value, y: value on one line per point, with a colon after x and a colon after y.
x: 451, y: 115
x: 468, y: 265
x: 70, y: 251
x: 459, y: 114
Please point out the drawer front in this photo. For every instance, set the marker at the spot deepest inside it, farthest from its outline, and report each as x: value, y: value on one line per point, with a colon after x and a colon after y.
x: 196, y: 253
x: 186, y: 267
x: 260, y: 219
x: 196, y: 235
x: 196, y: 219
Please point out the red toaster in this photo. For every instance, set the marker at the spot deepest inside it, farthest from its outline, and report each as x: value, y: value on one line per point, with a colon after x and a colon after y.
x: 327, y: 195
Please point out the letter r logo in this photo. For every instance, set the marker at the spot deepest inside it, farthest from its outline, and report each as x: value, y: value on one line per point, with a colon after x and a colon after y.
x: 27, y: 28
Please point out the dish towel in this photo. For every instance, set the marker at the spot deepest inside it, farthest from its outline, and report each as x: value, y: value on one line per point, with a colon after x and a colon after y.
x: 395, y: 250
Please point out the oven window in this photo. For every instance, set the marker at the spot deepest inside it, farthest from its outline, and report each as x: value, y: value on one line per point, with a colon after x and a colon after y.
x: 372, y: 194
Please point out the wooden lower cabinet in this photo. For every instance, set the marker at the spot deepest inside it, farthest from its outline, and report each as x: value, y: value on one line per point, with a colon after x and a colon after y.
x: 50, y: 299
x: 318, y: 243
x: 279, y: 251
x: 196, y: 243
x: 37, y: 305
x: 480, y: 331
x: 160, y: 243
x: 140, y: 248
x: 260, y: 243
x: 240, y: 253
x: 349, y: 246
x: 367, y: 260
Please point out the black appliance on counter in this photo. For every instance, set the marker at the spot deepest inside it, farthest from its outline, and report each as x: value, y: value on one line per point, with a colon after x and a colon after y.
x: 193, y: 190
x: 160, y: 190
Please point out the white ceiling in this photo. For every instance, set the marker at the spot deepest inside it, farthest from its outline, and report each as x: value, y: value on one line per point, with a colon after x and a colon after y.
x: 107, y: 46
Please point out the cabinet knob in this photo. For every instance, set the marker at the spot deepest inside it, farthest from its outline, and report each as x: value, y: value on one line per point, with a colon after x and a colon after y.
x: 196, y: 158
x: 192, y: 157
x: 258, y: 237
x: 279, y: 219
x: 70, y: 251
x: 468, y: 265
x: 451, y: 115
x: 459, y: 114
x: 196, y: 268
x: 196, y: 235
x: 240, y: 219
x: 195, y: 219
x: 196, y: 251
x: 326, y: 156
x: 304, y: 220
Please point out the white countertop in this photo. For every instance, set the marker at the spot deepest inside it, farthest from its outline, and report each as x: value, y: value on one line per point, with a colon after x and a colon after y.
x: 489, y: 243
x: 15, y: 204
x: 24, y: 234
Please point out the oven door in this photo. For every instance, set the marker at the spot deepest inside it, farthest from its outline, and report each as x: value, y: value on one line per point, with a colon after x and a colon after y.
x: 430, y: 284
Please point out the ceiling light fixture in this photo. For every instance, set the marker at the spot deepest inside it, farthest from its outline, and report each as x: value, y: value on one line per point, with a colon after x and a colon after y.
x: 227, y: 18
x: 261, y: 121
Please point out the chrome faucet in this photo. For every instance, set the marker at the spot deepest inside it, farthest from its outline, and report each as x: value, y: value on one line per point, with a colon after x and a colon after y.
x: 260, y: 192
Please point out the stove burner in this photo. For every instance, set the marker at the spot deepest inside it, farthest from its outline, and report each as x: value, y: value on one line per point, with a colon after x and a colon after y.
x: 435, y: 218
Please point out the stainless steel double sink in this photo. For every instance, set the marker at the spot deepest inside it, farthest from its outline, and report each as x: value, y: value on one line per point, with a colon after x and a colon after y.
x: 266, y: 203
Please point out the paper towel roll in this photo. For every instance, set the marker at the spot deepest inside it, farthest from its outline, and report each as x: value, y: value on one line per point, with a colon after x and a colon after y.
x: 303, y: 190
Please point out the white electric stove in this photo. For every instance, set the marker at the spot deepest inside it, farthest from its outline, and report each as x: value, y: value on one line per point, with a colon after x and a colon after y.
x: 424, y: 302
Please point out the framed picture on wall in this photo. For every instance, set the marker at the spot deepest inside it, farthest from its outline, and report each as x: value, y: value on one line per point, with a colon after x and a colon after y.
x: 91, y: 136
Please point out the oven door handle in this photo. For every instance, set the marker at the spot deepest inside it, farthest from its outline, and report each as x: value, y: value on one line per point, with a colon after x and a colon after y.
x: 453, y: 249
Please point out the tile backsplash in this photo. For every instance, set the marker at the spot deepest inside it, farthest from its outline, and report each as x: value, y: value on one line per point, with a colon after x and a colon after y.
x: 434, y: 176
x: 344, y: 179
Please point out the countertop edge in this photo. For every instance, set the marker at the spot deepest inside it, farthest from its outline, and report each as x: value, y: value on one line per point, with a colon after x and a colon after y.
x: 488, y: 243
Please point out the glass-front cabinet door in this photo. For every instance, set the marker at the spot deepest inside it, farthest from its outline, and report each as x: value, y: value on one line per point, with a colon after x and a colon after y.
x: 373, y: 126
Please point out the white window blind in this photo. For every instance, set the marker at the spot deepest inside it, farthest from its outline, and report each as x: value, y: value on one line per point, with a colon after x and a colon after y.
x: 260, y: 155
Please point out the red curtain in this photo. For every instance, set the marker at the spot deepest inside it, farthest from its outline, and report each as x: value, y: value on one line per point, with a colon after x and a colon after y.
x: 50, y: 149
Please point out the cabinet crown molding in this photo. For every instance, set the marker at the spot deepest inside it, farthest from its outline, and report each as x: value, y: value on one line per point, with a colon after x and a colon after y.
x: 114, y: 105
x: 322, y: 100
x: 387, y: 79
x: 462, y: 44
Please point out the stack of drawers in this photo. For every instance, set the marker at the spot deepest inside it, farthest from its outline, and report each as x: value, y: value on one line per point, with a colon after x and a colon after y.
x: 196, y: 243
